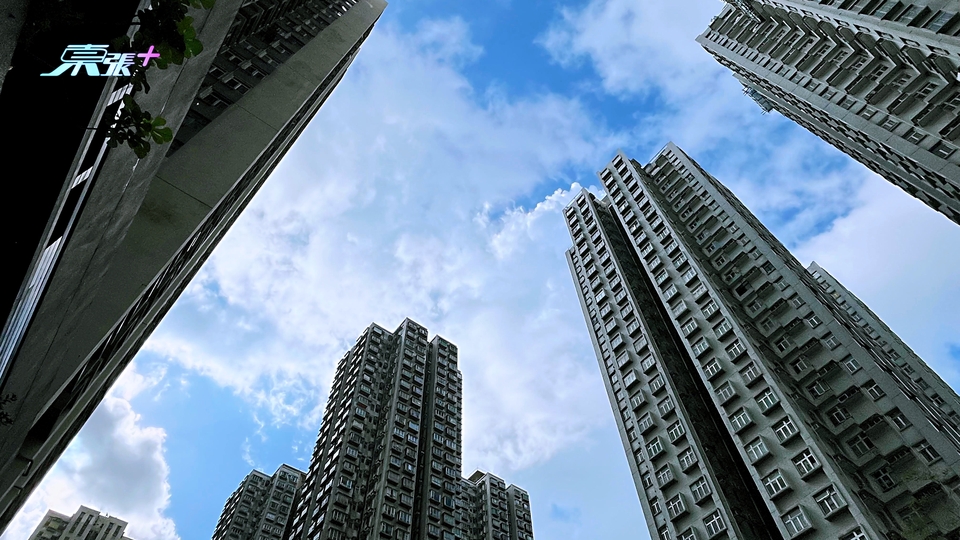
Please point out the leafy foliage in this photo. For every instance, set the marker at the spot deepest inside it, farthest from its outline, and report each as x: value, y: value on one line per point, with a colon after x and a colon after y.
x: 137, y: 127
x: 167, y: 28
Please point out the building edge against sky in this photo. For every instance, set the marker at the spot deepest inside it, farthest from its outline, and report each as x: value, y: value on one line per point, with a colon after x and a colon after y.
x: 125, y: 236
x: 85, y: 524
x: 388, y: 455
x: 878, y: 79
x: 732, y: 368
x: 261, y: 506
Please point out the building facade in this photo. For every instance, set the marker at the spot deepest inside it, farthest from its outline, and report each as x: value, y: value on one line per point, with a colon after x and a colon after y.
x: 878, y: 79
x: 261, y: 506
x: 754, y: 398
x: 493, y: 510
x: 117, y: 238
x: 85, y: 524
x: 388, y: 456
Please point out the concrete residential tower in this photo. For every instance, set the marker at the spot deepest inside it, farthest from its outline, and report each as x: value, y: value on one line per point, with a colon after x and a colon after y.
x: 756, y: 399
x: 878, y: 79
x: 261, y: 506
x: 388, y: 457
x: 85, y: 524
x: 493, y: 510
x: 101, y: 243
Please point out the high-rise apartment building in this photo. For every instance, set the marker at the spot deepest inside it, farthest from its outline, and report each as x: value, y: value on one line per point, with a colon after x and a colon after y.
x: 388, y: 457
x: 85, y: 524
x: 492, y: 510
x: 755, y: 398
x: 261, y: 506
x: 102, y: 243
x: 878, y: 79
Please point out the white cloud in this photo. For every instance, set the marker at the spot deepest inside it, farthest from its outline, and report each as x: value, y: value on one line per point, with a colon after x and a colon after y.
x: 645, y: 53
x: 399, y: 200
x: 636, y: 47
x: 115, y: 465
x: 901, y: 259
x: 447, y: 40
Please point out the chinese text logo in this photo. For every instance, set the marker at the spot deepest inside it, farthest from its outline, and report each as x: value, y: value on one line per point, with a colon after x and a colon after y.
x: 90, y: 57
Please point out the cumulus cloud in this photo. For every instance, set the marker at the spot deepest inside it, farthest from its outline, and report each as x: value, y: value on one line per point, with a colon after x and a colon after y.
x: 401, y: 200
x: 901, y: 259
x: 645, y: 53
x: 115, y: 465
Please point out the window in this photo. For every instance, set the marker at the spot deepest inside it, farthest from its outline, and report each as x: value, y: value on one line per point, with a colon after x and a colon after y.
x: 726, y: 392
x: 874, y: 390
x: 655, y: 506
x: 714, y: 524
x: 795, y: 521
x: 750, y: 374
x: 676, y: 507
x: 670, y: 292
x: 813, y: 320
x: 665, y: 476
x: 665, y: 406
x: 851, y: 364
x: 838, y: 415
x: 757, y: 450
x: 883, y: 478
x: 775, y: 484
x: 736, y: 349
x: 861, y: 444
x: 740, y: 420
x: 700, y: 489
x: 689, y: 534
x: 899, y: 419
x: 800, y: 365
x: 818, y: 388
x: 637, y: 400
x: 689, y: 327
x: 687, y: 459
x: 712, y: 369
x: 767, y: 399
x: 768, y: 324
x: 829, y: 501
x: 785, y: 430
x: 855, y: 535
x: 784, y: 344
x: 654, y: 448
x: 647, y: 480
x: 831, y: 341
x: 675, y: 431
x: 806, y: 462
x: 942, y: 149
x: 700, y: 347
x: 699, y: 290
x: 722, y: 328
x: 648, y: 362
x: 927, y: 452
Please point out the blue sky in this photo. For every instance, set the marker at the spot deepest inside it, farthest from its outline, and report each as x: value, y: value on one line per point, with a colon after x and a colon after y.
x: 430, y: 185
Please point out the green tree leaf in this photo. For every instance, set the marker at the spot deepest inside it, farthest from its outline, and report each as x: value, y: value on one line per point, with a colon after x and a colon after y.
x: 192, y: 47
